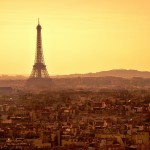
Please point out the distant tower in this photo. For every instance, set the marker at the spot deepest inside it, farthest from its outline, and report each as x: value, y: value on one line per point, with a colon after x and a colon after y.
x: 39, y: 75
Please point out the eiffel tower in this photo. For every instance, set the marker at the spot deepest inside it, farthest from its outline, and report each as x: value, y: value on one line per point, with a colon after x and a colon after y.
x: 39, y: 76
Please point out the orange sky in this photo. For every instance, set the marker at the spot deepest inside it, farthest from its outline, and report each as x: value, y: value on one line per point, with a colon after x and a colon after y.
x: 79, y: 36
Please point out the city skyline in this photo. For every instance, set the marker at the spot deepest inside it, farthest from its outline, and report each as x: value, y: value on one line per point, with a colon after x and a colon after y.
x: 78, y: 36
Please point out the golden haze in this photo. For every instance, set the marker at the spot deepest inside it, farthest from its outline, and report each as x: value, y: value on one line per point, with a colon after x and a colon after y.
x: 79, y: 36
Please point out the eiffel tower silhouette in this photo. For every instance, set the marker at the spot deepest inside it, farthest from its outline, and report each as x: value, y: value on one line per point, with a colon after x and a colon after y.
x: 39, y: 75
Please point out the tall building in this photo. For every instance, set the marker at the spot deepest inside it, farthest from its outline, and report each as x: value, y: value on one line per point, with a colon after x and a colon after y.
x: 39, y: 76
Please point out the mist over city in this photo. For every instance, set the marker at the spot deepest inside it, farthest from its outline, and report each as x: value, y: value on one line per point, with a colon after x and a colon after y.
x: 75, y: 75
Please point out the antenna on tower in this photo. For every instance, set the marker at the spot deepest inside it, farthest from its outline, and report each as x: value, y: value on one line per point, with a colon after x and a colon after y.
x: 38, y: 21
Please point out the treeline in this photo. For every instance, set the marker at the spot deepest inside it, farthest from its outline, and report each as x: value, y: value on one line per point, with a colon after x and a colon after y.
x: 87, y: 82
x: 102, y: 82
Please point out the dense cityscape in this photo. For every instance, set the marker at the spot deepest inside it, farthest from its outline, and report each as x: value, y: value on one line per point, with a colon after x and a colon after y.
x: 90, y: 120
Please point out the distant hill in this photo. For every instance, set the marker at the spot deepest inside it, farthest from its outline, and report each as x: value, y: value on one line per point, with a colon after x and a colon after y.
x: 113, y: 79
x: 123, y: 73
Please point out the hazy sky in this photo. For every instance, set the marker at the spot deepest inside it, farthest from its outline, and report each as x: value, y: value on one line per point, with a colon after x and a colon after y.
x: 79, y: 36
